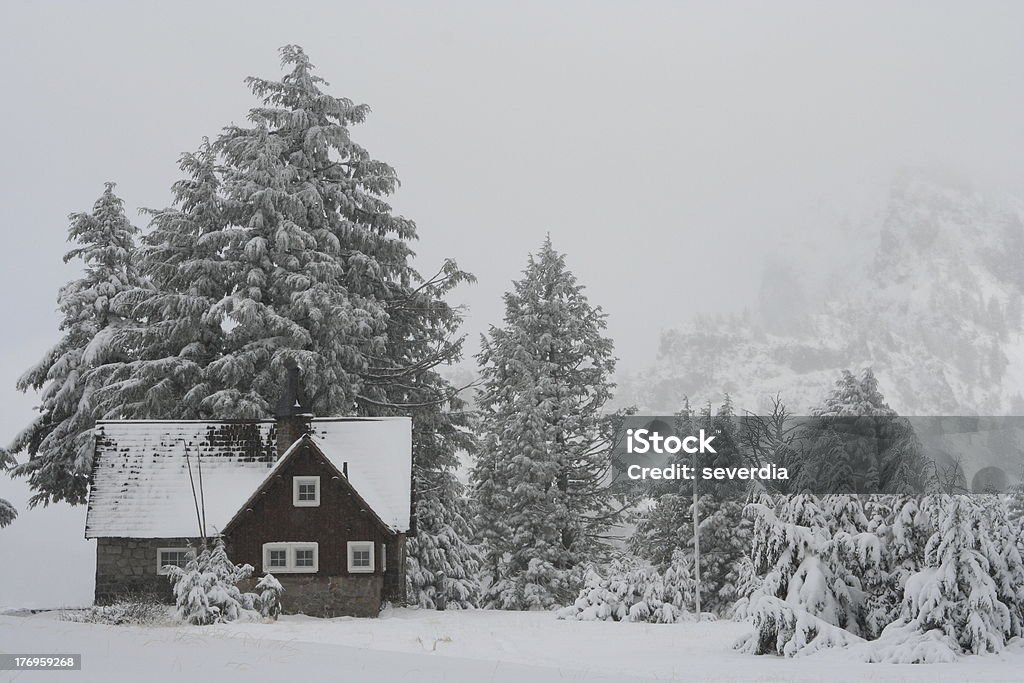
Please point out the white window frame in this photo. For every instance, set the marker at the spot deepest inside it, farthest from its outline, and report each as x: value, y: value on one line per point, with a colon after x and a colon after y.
x: 383, y: 558
x: 290, y: 547
x: 159, y: 556
x: 353, y: 546
x: 298, y: 481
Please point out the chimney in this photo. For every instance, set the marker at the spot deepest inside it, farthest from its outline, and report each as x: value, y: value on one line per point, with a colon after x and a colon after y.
x: 291, y: 415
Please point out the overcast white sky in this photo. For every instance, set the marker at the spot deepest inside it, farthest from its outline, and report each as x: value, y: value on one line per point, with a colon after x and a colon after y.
x: 667, y: 147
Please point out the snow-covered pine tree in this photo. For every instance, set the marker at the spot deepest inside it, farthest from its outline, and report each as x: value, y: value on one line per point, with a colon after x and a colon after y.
x: 206, y: 590
x: 190, y: 586
x: 59, y: 440
x: 882, y: 596
x: 1006, y: 567
x: 315, y: 246
x: 282, y: 224
x: 957, y: 594
x: 280, y: 247
x: 802, y: 602
x: 442, y: 566
x: 857, y: 443
x: 912, y: 525
x: 852, y: 397
x: 540, y: 474
x: 633, y: 591
x: 822, y: 564
x: 1015, y: 505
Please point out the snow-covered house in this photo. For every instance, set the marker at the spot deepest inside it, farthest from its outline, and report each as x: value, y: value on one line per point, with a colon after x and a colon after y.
x: 322, y: 503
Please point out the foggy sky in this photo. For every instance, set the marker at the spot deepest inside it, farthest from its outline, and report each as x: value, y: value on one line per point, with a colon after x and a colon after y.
x: 669, y: 148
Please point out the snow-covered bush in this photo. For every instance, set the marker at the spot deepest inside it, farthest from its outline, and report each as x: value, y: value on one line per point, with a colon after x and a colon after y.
x: 130, y: 611
x: 814, y: 567
x: 930, y: 578
x: 784, y: 629
x: 205, y: 590
x: 970, y: 588
x: 268, y: 599
x: 631, y: 590
x: 541, y: 587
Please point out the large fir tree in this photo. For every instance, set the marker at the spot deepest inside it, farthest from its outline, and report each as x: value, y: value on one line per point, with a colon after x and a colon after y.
x: 856, y: 443
x: 59, y: 440
x: 281, y: 246
x: 539, y: 479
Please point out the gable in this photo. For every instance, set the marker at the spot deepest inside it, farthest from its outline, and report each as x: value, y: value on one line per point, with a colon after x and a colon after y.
x: 304, y: 458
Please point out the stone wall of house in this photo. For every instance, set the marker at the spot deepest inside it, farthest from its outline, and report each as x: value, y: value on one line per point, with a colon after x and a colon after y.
x: 128, y: 567
x: 327, y: 596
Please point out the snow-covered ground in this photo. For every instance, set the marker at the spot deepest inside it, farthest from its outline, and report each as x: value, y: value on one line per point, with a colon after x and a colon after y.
x: 419, y: 645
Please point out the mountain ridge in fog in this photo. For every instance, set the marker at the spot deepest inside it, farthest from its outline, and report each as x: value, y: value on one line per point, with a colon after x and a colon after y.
x: 934, y: 307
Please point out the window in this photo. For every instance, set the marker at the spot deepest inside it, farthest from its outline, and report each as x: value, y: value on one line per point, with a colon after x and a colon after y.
x: 304, y: 558
x: 278, y: 558
x: 176, y: 557
x: 295, y: 557
x: 360, y: 557
x: 383, y: 557
x: 306, y: 491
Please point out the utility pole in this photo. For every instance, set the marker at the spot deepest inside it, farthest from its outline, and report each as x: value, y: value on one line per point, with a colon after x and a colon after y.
x: 696, y: 528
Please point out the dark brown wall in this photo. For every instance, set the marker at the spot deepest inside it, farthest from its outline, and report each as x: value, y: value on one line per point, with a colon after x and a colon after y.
x: 339, y: 518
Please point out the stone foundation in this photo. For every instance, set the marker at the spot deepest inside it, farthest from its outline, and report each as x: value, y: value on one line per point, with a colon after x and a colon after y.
x: 327, y: 596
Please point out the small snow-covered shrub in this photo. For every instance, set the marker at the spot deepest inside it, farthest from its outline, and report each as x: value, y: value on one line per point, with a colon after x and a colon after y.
x: 541, y: 587
x: 784, y: 629
x: 140, y: 611
x: 904, y: 644
x: 205, y: 590
x: 268, y: 602
x: 633, y: 591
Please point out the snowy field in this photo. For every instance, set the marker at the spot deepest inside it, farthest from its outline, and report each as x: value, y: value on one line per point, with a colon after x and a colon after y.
x: 419, y: 645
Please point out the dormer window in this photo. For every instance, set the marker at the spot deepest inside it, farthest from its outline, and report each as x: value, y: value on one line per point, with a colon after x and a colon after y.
x: 306, y: 492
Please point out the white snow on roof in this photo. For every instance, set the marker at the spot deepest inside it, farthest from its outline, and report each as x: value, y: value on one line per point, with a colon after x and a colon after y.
x: 379, y: 457
x: 142, y: 487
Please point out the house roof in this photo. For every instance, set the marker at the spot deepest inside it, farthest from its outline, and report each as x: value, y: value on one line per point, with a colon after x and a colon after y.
x: 142, y: 486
